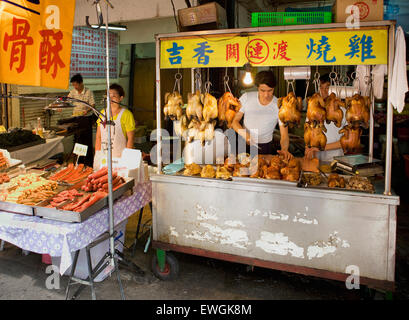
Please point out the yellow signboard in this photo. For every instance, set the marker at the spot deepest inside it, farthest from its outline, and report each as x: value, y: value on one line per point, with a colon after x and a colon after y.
x: 291, y: 48
x: 35, y: 42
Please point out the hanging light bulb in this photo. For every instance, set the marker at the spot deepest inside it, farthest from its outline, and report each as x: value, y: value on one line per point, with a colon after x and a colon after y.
x: 248, y: 78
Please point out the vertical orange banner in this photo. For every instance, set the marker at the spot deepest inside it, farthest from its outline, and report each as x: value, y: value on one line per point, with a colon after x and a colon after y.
x: 35, y: 42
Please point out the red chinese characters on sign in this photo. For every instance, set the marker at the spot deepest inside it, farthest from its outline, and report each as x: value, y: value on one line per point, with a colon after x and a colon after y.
x: 280, y: 52
x: 232, y: 52
x: 257, y: 51
x: 49, y: 51
x: 19, y: 40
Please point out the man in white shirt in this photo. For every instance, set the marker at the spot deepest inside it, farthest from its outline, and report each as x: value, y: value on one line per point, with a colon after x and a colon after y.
x: 260, y: 112
x: 333, y: 147
x: 80, y: 92
x: 84, y: 117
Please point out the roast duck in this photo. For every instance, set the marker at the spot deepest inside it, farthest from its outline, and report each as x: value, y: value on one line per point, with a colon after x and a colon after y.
x: 357, y: 110
x: 316, y: 112
x: 333, y: 110
x: 173, y: 106
x: 194, y: 106
x: 290, y: 109
x: 314, y: 136
x: 351, y: 139
x: 228, y: 106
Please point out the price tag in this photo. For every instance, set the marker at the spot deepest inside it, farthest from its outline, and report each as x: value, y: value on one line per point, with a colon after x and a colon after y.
x: 80, y: 149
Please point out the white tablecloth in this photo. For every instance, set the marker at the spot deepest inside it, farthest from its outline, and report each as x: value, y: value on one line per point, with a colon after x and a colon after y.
x: 41, y: 151
x: 57, y: 238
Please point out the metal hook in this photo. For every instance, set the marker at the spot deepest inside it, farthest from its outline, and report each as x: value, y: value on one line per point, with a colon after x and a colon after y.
x: 99, y: 16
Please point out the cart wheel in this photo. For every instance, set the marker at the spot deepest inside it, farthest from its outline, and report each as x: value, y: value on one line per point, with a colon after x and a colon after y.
x: 171, y: 269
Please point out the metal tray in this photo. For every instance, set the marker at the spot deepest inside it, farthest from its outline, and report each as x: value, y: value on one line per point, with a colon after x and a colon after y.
x: 16, y: 208
x: 71, y: 216
x: 265, y: 181
x: 324, y: 185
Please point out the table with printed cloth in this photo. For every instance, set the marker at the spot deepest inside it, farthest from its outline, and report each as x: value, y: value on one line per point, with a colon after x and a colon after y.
x: 57, y: 238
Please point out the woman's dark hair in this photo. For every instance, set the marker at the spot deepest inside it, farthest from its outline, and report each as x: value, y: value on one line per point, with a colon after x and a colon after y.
x: 118, y: 89
x: 77, y: 78
x: 265, y: 77
x: 325, y: 78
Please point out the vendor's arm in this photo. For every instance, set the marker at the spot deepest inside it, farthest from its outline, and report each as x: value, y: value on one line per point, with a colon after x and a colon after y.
x: 238, y: 128
x: 98, y: 139
x: 285, y: 143
x: 311, y: 152
x: 130, y: 141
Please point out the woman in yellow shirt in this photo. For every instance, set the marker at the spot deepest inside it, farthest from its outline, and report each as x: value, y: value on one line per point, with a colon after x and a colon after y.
x: 122, y: 134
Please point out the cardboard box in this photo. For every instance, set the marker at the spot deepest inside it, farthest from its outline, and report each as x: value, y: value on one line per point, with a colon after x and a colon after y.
x: 369, y: 10
x: 208, y: 13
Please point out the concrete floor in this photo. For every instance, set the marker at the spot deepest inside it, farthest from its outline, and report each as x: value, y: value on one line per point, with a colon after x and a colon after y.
x: 23, y: 277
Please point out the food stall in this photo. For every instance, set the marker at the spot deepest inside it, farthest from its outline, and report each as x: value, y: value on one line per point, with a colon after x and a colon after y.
x: 323, y: 232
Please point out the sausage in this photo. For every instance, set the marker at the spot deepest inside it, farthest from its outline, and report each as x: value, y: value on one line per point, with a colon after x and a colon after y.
x: 95, y: 197
x: 101, y: 172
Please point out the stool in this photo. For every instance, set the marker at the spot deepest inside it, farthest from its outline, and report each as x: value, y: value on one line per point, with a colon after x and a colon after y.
x: 395, y: 148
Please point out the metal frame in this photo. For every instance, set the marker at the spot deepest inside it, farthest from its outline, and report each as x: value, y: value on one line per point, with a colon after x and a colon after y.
x: 391, y: 51
x: 386, y: 198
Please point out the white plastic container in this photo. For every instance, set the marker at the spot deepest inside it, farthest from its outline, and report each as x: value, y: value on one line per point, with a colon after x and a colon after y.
x: 97, y: 252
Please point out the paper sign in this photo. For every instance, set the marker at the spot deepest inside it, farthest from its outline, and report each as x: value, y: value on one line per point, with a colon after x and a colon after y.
x: 35, y: 42
x: 80, y: 149
x: 296, y: 48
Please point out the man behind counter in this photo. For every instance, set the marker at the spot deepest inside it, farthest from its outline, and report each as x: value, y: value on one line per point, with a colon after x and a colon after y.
x: 85, y: 122
x: 260, y: 112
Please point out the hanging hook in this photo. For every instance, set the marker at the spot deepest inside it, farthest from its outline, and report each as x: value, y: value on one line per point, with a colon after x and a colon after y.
x: 178, y: 77
x: 99, y: 16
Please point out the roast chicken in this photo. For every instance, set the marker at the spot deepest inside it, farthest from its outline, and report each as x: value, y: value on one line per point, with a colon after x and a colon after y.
x: 228, y: 105
x: 316, y: 112
x: 209, y: 107
x: 241, y: 170
x: 256, y: 167
x: 223, y: 173
x: 230, y: 162
x: 357, y: 110
x: 208, y: 171
x: 181, y: 127
x: 314, y: 136
x: 271, y: 173
x: 173, y: 106
x: 291, y: 172
x: 334, y: 112
x: 192, y: 169
x: 200, y: 130
x: 290, y: 109
x: 351, y: 139
x: 194, y: 106
x: 336, y: 181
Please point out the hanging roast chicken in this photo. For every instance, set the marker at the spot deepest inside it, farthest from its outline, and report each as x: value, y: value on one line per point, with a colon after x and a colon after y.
x: 316, y: 112
x: 290, y: 109
x: 194, y: 106
x: 173, y: 106
x: 333, y: 110
x: 357, y: 110
x: 314, y: 136
x: 209, y: 107
x: 228, y: 106
x: 351, y: 139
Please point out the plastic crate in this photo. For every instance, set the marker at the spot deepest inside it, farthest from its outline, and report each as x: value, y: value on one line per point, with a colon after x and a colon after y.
x: 266, y: 19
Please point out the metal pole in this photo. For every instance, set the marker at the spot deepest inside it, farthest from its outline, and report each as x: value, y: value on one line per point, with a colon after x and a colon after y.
x: 109, y: 157
x: 192, y: 82
x: 389, y: 119
x: 371, y: 122
x: 158, y: 111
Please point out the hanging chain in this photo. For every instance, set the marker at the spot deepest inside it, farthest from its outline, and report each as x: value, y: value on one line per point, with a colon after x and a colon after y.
x: 226, y: 82
x: 208, y: 83
x: 198, y: 81
x: 290, y: 82
x: 178, y: 77
x: 316, y: 80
